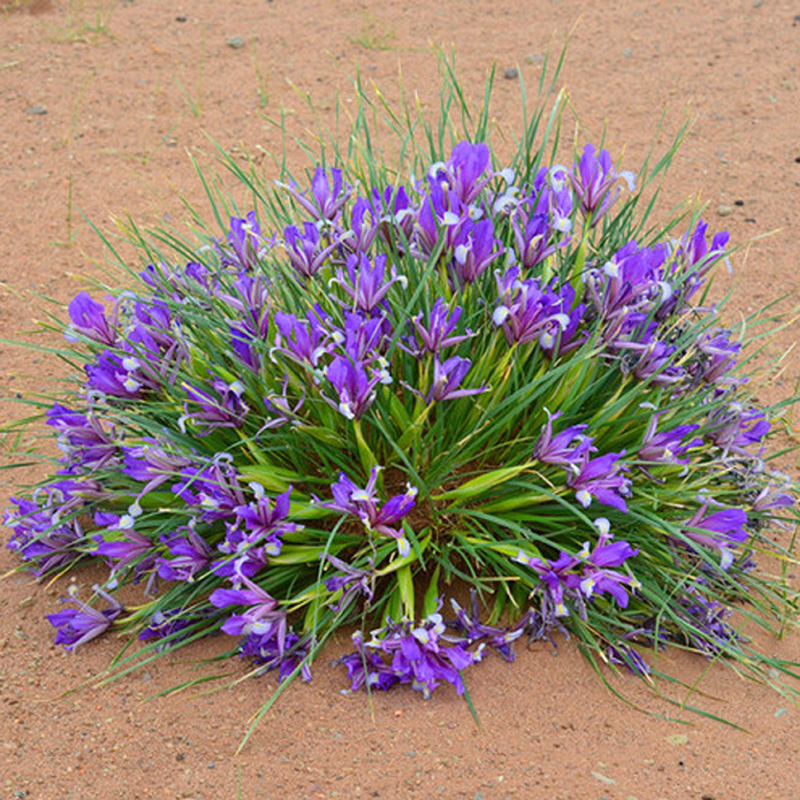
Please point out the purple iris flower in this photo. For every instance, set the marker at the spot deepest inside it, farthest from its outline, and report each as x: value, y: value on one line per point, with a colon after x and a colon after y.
x: 690, y: 262
x: 256, y: 534
x: 598, y: 565
x: 593, y: 179
x: 242, y: 341
x: 566, y: 448
x: 180, y: 284
x: 152, y: 465
x: 448, y: 376
x: 713, y: 635
x: 307, y: 252
x: 774, y: 495
x: 264, y: 517
x: 441, y: 325
x: 548, y: 208
x: 125, y: 546
x: 83, y: 440
x: 404, y: 653
x: 268, y: 637
x: 631, y: 281
x: 367, y: 668
x: 393, y: 209
x: 250, y: 296
x: 527, y: 312
x: 361, y: 234
x: 717, y: 358
x: 328, y: 196
x: 667, y: 447
x: 281, y: 650
x: 306, y: 340
x: 651, y: 362
x: 695, y: 257
x: 475, y: 249
x: 189, y: 555
x: 154, y: 345
x: 625, y: 655
x: 695, y: 251
x: 735, y: 428
x: 364, y: 504
x: 40, y: 537
x: 532, y: 240
x: 558, y: 576
x: 720, y: 530
x: 116, y: 375
x: 465, y: 170
x: 88, y: 318
x: 214, y: 488
x: 225, y: 410
x: 76, y: 626
x: 363, y: 338
x: 366, y: 283
x: 245, y: 247
x: 167, y: 625
x: 468, y: 624
x: 352, y: 583
x: 601, y: 478
x: 557, y: 339
x: 263, y: 612
x: 350, y: 499
x: 354, y: 385
x: 438, y: 221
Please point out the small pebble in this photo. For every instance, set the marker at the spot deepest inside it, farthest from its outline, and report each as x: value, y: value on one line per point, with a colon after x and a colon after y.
x: 235, y: 42
x: 738, y: 202
x: 725, y: 211
x: 603, y: 778
x: 511, y: 74
x: 36, y: 111
x: 677, y: 738
x: 181, y: 18
x: 780, y: 712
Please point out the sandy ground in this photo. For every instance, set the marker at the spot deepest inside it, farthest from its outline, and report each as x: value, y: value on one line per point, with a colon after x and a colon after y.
x: 102, y: 106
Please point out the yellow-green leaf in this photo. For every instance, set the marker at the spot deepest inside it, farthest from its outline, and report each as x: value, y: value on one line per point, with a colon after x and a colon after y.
x: 405, y: 584
x: 273, y: 479
x: 488, y: 480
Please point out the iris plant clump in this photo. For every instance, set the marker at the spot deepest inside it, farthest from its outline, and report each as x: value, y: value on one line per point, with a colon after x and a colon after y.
x: 377, y: 384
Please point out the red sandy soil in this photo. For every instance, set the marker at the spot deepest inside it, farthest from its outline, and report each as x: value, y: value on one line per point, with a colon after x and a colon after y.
x: 104, y: 103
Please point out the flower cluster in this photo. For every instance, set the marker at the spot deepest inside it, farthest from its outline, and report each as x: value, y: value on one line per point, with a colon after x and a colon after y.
x: 357, y: 392
x: 586, y: 574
